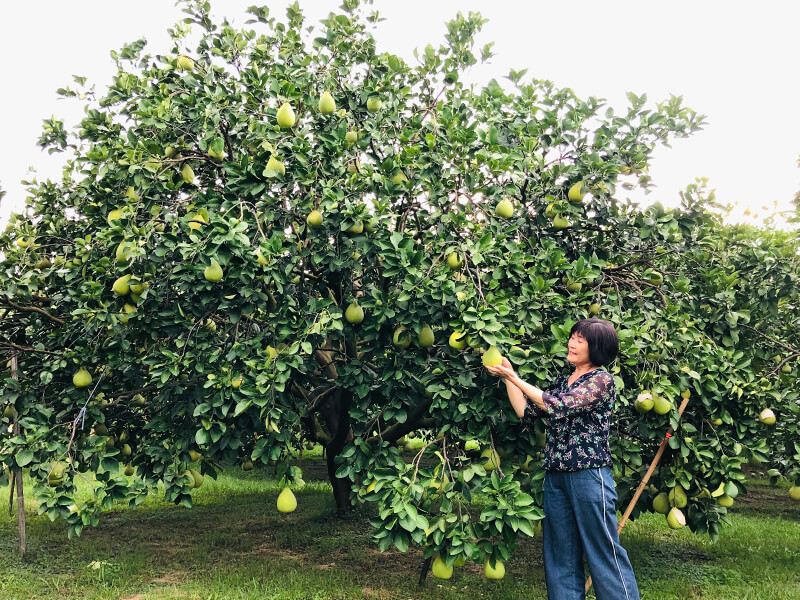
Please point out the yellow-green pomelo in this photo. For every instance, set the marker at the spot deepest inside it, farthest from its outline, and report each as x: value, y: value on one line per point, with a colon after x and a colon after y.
x: 128, y: 470
x: 198, y: 477
x: 560, y: 222
x: 354, y: 313
x: 187, y: 473
x: 550, y: 211
x: 185, y: 63
x: 114, y: 215
x: 492, y: 357
x: 327, y: 105
x: 441, y: 570
x: 374, y: 104
x: 285, y: 116
x: 529, y: 465
x: 661, y: 503
x: 286, y: 501
x: 677, y: 497
x: 675, y: 518
x: 725, y: 501
x: 767, y: 417
x: 213, y: 272
x: 644, y: 402
x: 314, y: 219
x: 351, y: 137
x: 247, y: 465
x: 125, y: 450
x: 81, y: 378
x: 121, y: 285
x: 492, y: 459
x: 576, y: 192
x: 399, y: 178
x: 661, y: 405
x: 187, y: 173
x: 138, y: 288
x: 458, y: 340
x: 356, y: 228
x: 594, y: 308
x: 401, y: 338
x: 498, y: 571
x: 794, y: 493
x: 426, y: 337
x: 196, y: 221
x: 504, y: 209
x: 453, y: 261
x: 273, y: 164
x: 195, y: 455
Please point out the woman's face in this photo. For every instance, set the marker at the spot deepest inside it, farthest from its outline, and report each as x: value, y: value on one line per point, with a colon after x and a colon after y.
x: 578, y: 350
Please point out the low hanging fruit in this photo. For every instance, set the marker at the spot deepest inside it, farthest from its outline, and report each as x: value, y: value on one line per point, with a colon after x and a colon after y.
x: 492, y: 357
x: 374, y: 104
x: 327, y: 105
x: 185, y: 63
x: 661, y: 405
x: 213, y: 272
x: 560, y: 222
x: 453, y: 261
x: 286, y: 117
x: 767, y: 417
x: 457, y: 341
x: 644, y: 402
x: 401, y: 338
x: 399, y: 178
x: 498, y: 571
x: 677, y: 497
x: 426, y: 337
x: 187, y: 174
x: 661, y: 503
x: 273, y: 164
x: 441, y: 570
x: 675, y: 519
x: 121, y: 286
x: 576, y: 193
x: 314, y: 219
x: 82, y: 378
x: 351, y: 137
x: 491, y: 458
x: 354, y: 314
x: 504, y: 209
x: 286, y: 501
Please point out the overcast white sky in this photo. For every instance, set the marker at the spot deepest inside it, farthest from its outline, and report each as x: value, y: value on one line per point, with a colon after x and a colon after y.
x: 735, y: 62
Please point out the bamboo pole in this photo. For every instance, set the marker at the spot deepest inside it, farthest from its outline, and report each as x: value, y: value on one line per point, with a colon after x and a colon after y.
x: 645, y: 479
x: 18, y: 473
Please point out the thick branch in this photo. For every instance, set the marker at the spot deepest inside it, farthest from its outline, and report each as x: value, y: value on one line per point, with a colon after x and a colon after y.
x: 36, y: 310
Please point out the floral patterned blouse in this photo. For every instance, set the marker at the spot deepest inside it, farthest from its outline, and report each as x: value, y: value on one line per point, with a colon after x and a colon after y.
x: 578, y: 421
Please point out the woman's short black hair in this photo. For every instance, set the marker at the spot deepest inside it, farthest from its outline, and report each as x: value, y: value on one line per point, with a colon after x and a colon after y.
x: 601, y: 337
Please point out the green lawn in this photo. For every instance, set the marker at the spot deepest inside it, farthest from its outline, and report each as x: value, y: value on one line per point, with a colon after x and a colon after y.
x: 235, y: 545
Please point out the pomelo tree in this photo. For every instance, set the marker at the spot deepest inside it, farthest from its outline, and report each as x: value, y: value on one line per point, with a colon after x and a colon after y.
x: 231, y: 268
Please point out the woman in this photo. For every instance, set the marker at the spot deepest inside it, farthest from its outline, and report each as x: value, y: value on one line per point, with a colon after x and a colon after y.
x: 579, y: 494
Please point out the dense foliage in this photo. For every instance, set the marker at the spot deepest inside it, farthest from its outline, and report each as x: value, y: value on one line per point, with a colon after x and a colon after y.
x: 180, y: 262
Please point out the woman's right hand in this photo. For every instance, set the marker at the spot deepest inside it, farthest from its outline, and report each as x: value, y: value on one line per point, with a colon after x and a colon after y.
x: 504, y: 370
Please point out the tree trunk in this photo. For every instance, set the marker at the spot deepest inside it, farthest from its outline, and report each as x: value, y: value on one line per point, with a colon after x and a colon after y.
x: 18, y: 474
x: 337, y: 416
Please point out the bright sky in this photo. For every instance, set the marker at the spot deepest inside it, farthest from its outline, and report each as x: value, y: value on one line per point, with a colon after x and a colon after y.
x: 735, y: 62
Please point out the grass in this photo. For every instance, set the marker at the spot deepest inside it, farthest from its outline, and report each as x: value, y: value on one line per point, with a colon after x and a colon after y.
x: 235, y: 545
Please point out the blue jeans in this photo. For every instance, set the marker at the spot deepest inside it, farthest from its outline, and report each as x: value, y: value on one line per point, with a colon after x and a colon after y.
x: 581, y: 521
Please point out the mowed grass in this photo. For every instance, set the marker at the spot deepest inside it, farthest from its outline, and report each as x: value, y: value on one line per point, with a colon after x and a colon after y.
x: 234, y: 544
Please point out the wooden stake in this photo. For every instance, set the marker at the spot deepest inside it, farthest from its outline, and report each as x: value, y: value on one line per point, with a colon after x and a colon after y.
x: 18, y: 474
x: 646, y: 478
